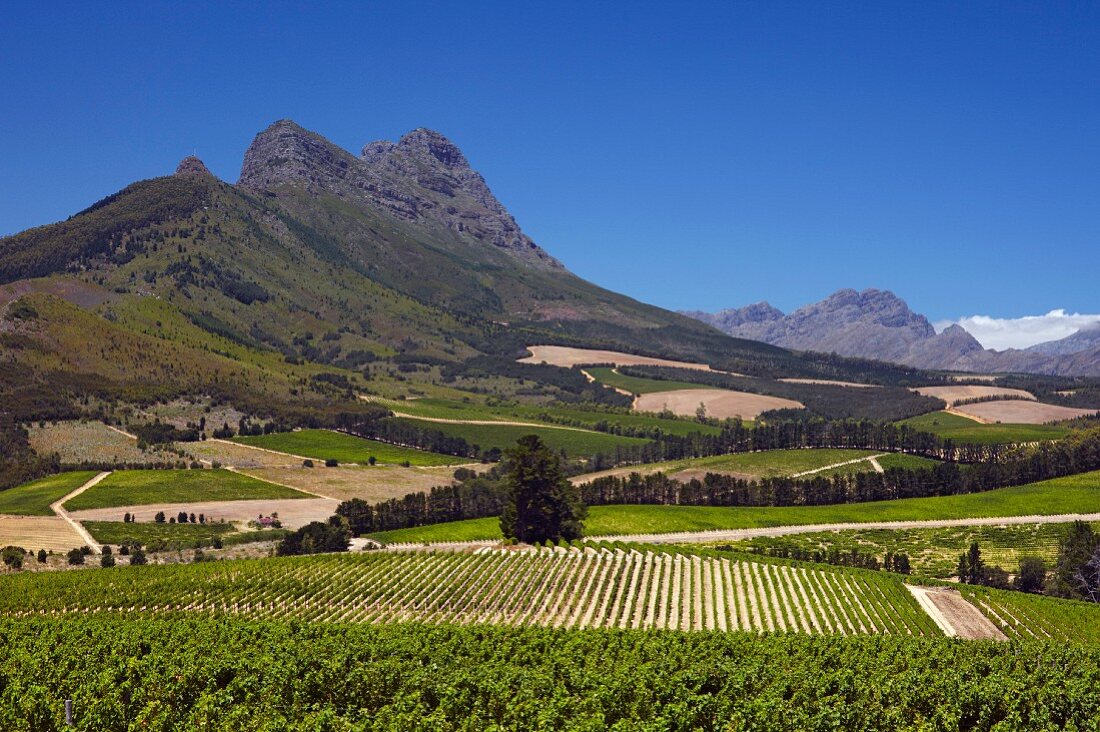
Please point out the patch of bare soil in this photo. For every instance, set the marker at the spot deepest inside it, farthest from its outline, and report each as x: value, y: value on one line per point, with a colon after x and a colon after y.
x: 954, y: 394
x: 51, y: 533
x: 954, y: 615
x: 293, y: 512
x: 1020, y: 412
x: 372, y: 484
x: 720, y: 403
x: 569, y: 357
x: 829, y: 382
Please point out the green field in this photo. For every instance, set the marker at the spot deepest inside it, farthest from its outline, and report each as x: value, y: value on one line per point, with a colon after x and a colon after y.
x: 142, y: 487
x: 961, y: 429
x: 575, y: 442
x: 1073, y: 494
x: 551, y: 414
x: 329, y: 445
x: 145, y: 533
x: 638, y: 385
x: 932, y: 552
x: 780, y: 463
x: 34, y: 498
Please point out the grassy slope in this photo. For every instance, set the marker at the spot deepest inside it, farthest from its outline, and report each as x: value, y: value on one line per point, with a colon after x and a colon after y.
x: 636, y: 385
x: 934, y: 552
x: 767, y: 464
x: 573, y: 441
x: 1074, y: 494
x: 326, y: 444
x: 116, y: 532
x: 34, y: 499
x: 448, y: 409
x: 961, y: 429
x: 142, y: 487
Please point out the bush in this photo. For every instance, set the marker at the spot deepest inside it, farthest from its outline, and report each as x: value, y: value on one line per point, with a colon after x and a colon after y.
x: 13, y: 556
x: 332, y: 463
x: 42, y: 556
x: 107, y: 559
x: 316, y: 538
x: 307, y: 463
x: 137, y: 557
x: 75, y: 557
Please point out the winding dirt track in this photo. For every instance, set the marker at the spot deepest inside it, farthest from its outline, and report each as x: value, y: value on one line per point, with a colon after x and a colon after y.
x: 58, y: 507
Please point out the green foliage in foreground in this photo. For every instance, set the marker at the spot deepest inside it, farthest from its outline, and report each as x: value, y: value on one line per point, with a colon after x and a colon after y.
x: 575, y: 442
x: 34, y: 498
x: 185, y: 674
x: 1072, y: 494
x: 142, y: 487
x: 326, y: 445
x: 963, y: 430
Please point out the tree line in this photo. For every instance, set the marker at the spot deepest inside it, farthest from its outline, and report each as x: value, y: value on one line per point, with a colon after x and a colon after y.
x: 485, y: 495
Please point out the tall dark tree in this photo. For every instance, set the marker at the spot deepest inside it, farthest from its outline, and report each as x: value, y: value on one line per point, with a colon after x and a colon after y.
x: 1074, y: 552
x: 541, y: 504
x: 1031, y: 575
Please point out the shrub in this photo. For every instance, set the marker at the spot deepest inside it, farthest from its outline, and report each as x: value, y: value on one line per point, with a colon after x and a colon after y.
x: 75, y: 557
x: 42, y: 556
x: 13, y: 556
x: 107, y: 559
x: 331, y: 463
x: 137, y: 557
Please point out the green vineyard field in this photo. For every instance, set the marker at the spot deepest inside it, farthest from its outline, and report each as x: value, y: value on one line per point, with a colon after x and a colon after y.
x: 557, y: 588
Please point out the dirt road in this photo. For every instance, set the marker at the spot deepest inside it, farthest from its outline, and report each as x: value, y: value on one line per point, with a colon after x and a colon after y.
x: 956, y: 617
x: 58, y: 507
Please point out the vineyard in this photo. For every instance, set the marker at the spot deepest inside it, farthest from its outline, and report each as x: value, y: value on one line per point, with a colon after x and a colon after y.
x: 1024, y: 616
x: 202, y: 673
x: 558, y: 588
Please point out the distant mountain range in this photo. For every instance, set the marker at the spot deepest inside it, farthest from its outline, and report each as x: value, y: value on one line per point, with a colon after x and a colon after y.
x: 877, y: 324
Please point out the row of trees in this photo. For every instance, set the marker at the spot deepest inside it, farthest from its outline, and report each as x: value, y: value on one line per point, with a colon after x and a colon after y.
x: 1075, y: 574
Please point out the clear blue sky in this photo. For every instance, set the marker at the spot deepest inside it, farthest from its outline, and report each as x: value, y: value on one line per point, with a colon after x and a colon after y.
x: 694, y: 155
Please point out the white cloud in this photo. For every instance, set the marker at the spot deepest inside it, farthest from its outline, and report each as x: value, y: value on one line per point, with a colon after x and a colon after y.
x: 1002, y: 333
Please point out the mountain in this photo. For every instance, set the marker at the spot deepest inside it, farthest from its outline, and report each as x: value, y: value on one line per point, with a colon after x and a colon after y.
x: 877, y: 324
x: 315, y: 264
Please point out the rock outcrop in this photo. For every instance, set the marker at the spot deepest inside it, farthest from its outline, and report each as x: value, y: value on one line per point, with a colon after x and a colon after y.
x: 422, y: 178
x: 191, y: 165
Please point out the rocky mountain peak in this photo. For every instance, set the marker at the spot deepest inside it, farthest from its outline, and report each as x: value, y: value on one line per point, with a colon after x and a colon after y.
x: 423, y: 143
x: 286, y: 153
x: 423, y: 178
x: 191, y: 165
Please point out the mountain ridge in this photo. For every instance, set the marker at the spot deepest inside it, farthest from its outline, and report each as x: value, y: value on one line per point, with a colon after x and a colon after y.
x: 877, y: 324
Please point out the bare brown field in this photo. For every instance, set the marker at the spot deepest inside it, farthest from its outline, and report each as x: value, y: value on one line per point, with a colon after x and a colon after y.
x: 954, y: 394
x: 292, y: 512
x: 77, y: 442
x: 829, y: 382
x: 720, y: 403
x: 1021, y: 412
x: 372, y: 484
x: 51, y: 533
x: 239, y: 456
x: 568, y: 357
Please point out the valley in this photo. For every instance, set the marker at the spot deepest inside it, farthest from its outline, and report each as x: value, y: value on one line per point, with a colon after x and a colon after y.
x: 312, y: 398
